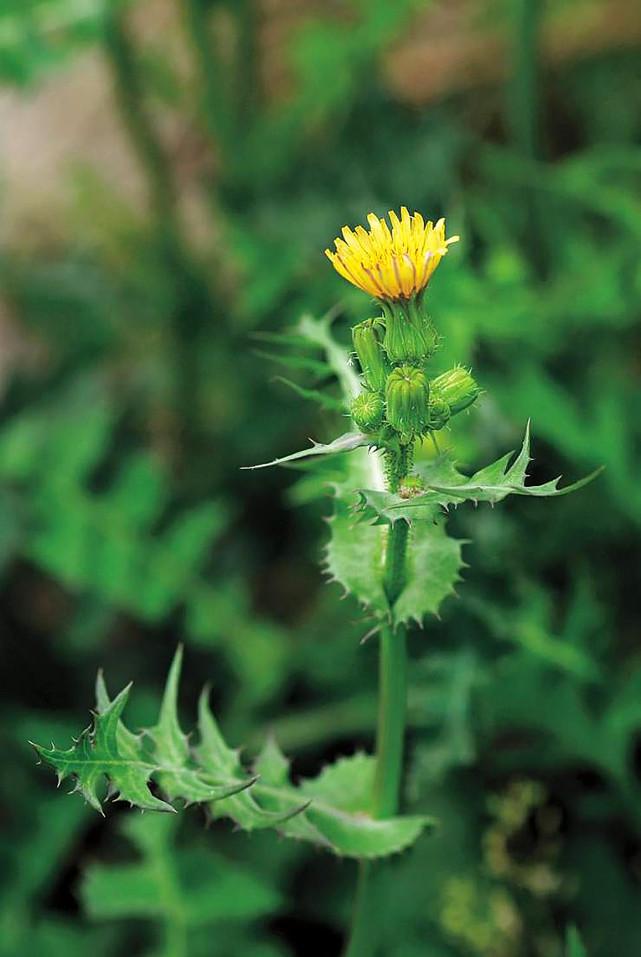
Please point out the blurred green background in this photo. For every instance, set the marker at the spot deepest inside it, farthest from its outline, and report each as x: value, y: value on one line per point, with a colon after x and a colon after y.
x: 171, y: 172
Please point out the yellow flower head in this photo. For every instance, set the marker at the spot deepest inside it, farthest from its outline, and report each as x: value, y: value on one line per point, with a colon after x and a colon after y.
x: 391, y: 264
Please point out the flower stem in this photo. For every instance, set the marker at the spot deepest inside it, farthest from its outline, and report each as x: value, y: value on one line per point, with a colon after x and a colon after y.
x: 391, y: 722
x: 389, y: 736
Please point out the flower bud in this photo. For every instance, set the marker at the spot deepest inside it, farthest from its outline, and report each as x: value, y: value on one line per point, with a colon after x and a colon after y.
x: 439, y: 413
x: 456, y: 388
x: 366, y: 337
x: 407, y: 393
x: 367, y: 411
x: 409, y: 333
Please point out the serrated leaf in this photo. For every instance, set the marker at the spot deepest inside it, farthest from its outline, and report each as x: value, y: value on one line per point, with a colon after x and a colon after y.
x: 215, y: 756
x: 271, y: 764
x: 178, y: 775
x: 491, y: 484
x: 329, y: 811
x: 313, y: 395
x: 358, y: 835
x: 97, y: 754
x: 344, y: 443
x: 340, y: 825
x: 347, y: 784
x: 354, y: 558
x: 434, y: 563
x: 378, y: 507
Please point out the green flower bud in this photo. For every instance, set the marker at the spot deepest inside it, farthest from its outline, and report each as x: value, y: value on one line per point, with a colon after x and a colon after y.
x: 407, y: 393
x: 439, y: 414
x: 409, y: 333
x: 456, y: 388
x: 366, y: 337
x: 367, y: 411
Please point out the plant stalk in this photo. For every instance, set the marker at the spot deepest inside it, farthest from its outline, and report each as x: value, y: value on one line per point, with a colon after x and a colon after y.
x: 389, y: 735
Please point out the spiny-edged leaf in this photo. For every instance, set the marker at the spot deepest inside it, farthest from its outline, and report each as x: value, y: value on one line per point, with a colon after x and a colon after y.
x: 491, y: 484
x: 378, y: 507
x: 271, y: 764
x: 97, y: 754
x: 355, y: 553
x: 178, y: 775
x: 354, y: 557
x: 308, y: 812
x: 314, y: 366
x: 434, y: 563
x: 573, y: 944
x: 329, y: 811
x: 358, y: 835
x: 129, y: 744
x: 344, y: 443
x: 314, y: 395
x: 216, y: 757
x: 347, y: 784
x: 336, y: 815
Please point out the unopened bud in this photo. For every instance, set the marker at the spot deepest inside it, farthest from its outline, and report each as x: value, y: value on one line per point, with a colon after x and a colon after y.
x: 407, y: 393
x: 367, y: 411
x: 439, y: 414
x: 456, y: 388
x: 368, y: 346
x: 409, y: 333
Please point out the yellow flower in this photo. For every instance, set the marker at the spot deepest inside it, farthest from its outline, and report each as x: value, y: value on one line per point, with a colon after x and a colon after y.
x: 391, y: 264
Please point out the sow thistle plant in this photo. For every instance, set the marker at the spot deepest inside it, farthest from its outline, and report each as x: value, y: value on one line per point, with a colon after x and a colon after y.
x: 388, y: 547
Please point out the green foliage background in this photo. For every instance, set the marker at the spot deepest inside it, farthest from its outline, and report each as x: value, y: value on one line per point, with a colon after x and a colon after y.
x: 127, y: 525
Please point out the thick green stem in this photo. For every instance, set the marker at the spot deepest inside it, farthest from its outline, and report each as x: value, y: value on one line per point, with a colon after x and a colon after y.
x: 391, y: 721
x: 389, y: 735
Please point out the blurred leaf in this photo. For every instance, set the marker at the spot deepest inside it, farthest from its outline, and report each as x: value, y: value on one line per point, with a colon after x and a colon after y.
x: 181, y: 888
x: 574, y: 947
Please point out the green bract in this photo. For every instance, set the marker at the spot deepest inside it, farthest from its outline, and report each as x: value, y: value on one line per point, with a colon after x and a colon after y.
x: 409, y: 334
x: 367, y: 337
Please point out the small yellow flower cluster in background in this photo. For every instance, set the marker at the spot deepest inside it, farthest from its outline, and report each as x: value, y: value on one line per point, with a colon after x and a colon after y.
x: 483, y: 919
x: 394, y: 263
x: 510, y: 811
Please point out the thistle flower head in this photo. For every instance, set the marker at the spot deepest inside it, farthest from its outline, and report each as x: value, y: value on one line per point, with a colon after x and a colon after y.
x: 391, y: 264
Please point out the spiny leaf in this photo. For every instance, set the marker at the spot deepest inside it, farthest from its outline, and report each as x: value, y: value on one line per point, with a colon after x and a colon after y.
x: 347, y: 784
x: 97, y: 754
x: 178, y: 776
x: 336, y: 815
x: 314, y: 395
x: 434, y: 563
x: 344, y: 443
x: 491, y: 484
x: 330, y: 811
x: 215, y: 756
x: 271, y: 764
x: 357, y: 835
x: 354, y: 558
